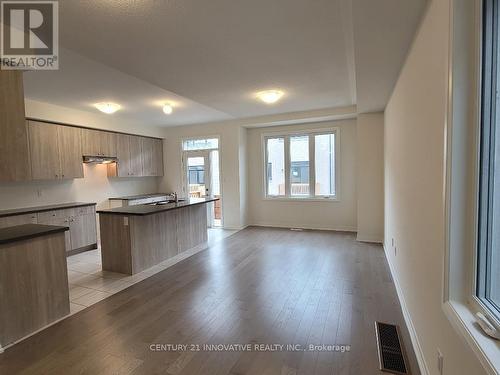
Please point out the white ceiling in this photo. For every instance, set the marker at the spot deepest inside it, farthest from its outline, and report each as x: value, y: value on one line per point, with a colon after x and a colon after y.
x: 210, y: 57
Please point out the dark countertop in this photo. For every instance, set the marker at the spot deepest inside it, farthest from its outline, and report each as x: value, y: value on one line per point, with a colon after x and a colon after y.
x: 31, y: 210
x: 142, y: 196
x: 27, y: 231
x: 146, y: 209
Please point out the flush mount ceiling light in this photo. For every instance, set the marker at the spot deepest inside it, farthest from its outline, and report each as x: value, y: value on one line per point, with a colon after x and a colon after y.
x: 270, y: 96
x: 167, y: 109
x: 108, y: 108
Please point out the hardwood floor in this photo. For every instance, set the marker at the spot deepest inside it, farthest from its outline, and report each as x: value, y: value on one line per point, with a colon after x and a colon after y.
x: 258, y: 286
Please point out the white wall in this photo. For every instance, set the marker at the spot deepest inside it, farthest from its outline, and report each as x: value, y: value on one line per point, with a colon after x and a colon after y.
x: 95, y: 187
x: 370, y: 178
x: 341, y: 215
x: 233, y: 177
x: 414, y: 205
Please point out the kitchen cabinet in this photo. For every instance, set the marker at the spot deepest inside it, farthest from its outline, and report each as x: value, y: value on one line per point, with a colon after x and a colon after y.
x: 158, y: 157
x: 12, y: 221
x: 152, y: 157
x: 55, y: 151
x: 70, y: 151
x: 14, y: 149
x: 59, y: 218
x: 44, y: 151
x: 135, y: 156
x: 148, y: 157
x: 123, y: 155
x: 98, y: 143
x: 129, y: 154
x: 81, y: 221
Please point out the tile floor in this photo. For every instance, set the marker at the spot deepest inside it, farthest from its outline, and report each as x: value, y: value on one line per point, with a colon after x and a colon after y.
x: 89, y: 284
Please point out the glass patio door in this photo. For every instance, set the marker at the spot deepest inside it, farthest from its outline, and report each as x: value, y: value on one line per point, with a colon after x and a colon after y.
x: 202, y: 180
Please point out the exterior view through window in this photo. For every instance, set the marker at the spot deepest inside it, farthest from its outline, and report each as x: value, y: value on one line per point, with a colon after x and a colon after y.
x: 488, y: 272
x: 202, y: 174
x: 301, y: 165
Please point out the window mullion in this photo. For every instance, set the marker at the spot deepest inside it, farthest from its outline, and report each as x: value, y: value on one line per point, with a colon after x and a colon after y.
x: 287, y: 167
x: 312, y: 167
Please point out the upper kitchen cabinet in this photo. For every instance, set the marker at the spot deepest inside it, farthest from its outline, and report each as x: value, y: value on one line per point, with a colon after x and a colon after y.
x: 70, y: 150
x: 14, y: 149
x: 44, y: 151
x: 129, y: 154
x: 158, y: 157
x: 152, y: 156
x: 55, y: 151
x: 147, y: 147
x: 137, y: 156
x: 98, y: 143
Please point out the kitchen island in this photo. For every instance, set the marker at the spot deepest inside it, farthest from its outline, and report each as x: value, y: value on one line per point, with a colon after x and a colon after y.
x: 33, y: 279
x: 135, y: 238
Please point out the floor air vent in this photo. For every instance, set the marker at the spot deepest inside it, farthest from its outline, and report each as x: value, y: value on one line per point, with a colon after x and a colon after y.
x: 390, y: 349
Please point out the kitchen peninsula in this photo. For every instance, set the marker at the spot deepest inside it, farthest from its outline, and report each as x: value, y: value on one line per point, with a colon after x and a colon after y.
x: 134, y: 238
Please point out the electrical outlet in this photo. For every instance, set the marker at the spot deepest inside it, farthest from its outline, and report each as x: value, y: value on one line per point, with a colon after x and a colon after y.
x: 440, y: 361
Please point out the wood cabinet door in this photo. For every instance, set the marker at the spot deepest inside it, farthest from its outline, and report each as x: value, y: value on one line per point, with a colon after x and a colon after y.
x: 91, y: 142
x: 123, y: 155
x: 158, y: 157
x: 44, y: 151
x: 70, y: 151
x: 148, y: 160
x: 135, y: 156
x: 12, y: 221
x: 14, y: 155
x: 83, y: 231
x: 57, y: 218
x: 108, y: 144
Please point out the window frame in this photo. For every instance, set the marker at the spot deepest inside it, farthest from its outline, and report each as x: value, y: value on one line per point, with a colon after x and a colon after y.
x: 286, y: 135
x: 461, y: 181
x: 485, y: 154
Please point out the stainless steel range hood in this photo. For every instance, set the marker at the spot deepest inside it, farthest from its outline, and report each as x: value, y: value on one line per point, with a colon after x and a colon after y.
x: 99, y: 159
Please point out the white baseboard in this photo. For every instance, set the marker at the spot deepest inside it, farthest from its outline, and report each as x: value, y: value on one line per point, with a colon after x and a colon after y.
x: 283, y: 225
x: 369, y: 239
x: 424, y: 370
x: 235, y: 228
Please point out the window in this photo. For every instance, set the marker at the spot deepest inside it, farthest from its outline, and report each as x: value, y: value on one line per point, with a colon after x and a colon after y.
x: 325, y: 164
x: 275, y: 155
x: 294, y: 161
x: 488, y: 272
x: 299, y: 166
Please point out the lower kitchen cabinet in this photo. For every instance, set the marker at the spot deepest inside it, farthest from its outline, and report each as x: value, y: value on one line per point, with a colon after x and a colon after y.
x: 82, y: 234
x: 12, y: 221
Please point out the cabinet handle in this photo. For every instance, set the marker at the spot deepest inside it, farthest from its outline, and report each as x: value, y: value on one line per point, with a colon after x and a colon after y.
x: 57, y: 175
x: 63, y: 176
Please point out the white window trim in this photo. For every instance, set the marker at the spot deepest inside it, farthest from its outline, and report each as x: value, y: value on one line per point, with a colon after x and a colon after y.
x: 312, y: 170
x: 459, y: 300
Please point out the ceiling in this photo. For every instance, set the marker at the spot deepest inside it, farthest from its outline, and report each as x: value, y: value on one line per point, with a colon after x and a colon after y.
x: 209, y: 58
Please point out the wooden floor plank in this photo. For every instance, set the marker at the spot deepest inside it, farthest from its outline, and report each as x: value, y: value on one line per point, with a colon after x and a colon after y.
x: 258, y: 286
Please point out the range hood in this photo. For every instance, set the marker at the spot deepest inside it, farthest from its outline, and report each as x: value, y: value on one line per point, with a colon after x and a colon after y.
x: 99, y: 159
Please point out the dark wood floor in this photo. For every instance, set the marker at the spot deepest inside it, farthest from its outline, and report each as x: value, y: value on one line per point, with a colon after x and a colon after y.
x: 260, y: 285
